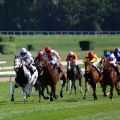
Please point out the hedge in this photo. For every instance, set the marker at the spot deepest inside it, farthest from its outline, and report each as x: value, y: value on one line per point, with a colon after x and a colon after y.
x: 86, y: 45
x: 6, y: 38
x: 7, y: 48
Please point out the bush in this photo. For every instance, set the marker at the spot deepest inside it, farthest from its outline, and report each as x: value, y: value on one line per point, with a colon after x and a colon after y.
x: 7, y: 48
x: 30, y: 47
x: 4, y: 38
x: 86, y: 45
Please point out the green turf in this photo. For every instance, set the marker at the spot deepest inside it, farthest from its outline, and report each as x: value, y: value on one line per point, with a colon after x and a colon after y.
x: 70, y: 107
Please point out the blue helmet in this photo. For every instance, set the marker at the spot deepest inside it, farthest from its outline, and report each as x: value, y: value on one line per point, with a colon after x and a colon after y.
x: 117, y: 50
x: 107, y: 54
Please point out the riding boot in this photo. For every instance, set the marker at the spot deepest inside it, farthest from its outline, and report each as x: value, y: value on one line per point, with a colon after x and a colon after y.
x: 58, y: 68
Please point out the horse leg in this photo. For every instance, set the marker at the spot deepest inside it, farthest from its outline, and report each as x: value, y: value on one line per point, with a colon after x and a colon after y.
x: 111, y: 92
x: 51, y: 93
x: 94, y: 90
x: 54, y: 92
x: 80, y: 84
x: 71, y: 86
x: 12, y: 92
x: 67, y: 85
x: 63, y: 85
x: 41, y: 92
x: 117, y: 86
x: 74, y: 86
x: 104, y: 89
x: 24, y: 94
x: 86, y: 89
x: 47, y: 90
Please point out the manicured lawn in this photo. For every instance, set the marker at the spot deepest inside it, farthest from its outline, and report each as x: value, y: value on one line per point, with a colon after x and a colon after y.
x: 70, y: 107
x: 63, y: 44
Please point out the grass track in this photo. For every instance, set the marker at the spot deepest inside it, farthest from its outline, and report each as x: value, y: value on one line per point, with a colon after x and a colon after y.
x: 72, y: 107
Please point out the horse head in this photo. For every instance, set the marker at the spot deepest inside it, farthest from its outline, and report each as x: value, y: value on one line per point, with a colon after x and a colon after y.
x: 88, y: 65
x: 68, y: 66
x: 104, y: 63
x: 17, y: 64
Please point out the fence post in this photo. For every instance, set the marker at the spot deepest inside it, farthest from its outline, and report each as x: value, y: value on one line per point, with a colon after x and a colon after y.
x: 10, y: 85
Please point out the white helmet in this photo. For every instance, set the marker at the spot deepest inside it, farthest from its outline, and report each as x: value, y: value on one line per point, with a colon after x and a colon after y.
x: 23, y: 50
x: 112, y: 56
x: 71, y: 53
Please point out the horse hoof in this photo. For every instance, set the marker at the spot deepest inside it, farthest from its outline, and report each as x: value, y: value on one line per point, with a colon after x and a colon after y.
x: 95, y: 98
x: 56, y: 96
x: 12, y: 99
x: 61, y: 95
x: 51, y: 99
x: 84, y: 97
x: 46, y: 98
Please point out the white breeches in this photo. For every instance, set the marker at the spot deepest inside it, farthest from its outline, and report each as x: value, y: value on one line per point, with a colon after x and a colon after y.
x: 96, y: 63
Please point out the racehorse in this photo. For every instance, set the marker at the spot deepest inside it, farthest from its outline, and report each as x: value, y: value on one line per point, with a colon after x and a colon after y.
x: 21, y: 79
x: 73, y: 75
x: 49, y: 76
x: 110, y: 77
x: 92, y: 77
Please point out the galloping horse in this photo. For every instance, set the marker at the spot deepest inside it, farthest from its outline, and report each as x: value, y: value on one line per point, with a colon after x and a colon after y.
x: 49, y: 76
x: 92, y: 77
x: 73, y: 75
x: 110, y: 77
x: 21, y: 79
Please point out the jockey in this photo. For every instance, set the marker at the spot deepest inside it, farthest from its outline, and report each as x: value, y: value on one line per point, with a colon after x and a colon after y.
x: 117, y: 54
x: 92, y: 56
x: 53, y: 58
x: 112, y: 59
x: 74, y: 58
x: 40, y: 56
x: 107, y: 54
x: 26, y: 56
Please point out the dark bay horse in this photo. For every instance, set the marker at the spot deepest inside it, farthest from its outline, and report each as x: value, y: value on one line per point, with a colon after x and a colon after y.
x: 21, y: 79
x: 110, y: 77
x: 49, y: 77
x: 92, y: 77
x: 73, y: 75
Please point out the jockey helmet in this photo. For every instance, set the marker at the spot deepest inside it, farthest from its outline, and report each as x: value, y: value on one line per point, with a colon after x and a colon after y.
x: 40, y: 53
x: 107, y: 54
x: 117, y: 50
x: 23, y: 51
x: 47, y: 49
x: 71, y: 53
x: 112, y: 56
x: 91, y: 54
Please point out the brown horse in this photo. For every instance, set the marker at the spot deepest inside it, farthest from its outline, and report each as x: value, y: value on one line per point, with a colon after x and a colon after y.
x: 48, y: 75
x: 110, y: 77
x: 92, y: 77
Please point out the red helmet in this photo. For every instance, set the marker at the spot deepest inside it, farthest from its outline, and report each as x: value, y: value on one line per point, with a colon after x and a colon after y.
x: 91, y: 54
x: 47, y: 49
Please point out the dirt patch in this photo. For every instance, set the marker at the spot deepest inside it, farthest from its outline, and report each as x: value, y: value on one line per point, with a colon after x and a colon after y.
x: 6, y: 79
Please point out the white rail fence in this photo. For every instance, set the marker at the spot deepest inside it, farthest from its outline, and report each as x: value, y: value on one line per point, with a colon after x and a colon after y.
x: 60, y: 32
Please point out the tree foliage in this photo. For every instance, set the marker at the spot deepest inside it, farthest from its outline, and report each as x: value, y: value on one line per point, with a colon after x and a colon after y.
x: 94, y: 15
